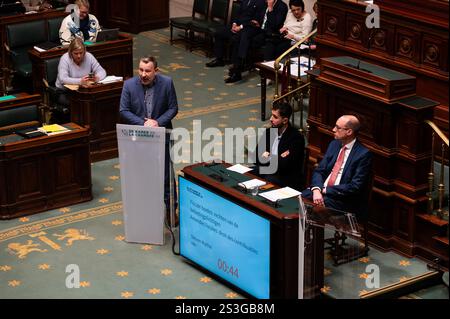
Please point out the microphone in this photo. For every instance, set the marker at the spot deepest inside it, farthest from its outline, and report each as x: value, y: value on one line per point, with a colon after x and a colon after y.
x: 369, y: 42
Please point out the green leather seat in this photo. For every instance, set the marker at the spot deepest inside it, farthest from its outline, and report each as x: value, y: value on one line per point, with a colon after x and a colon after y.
x: 20, y: 38
x: 60, y: 110
x: 53, y: 26
x: 13, y: 118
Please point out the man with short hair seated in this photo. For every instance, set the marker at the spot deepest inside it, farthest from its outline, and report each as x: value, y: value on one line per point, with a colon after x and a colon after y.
x: 341, y: 179
x: 80, y: 24
x: 281, y: 150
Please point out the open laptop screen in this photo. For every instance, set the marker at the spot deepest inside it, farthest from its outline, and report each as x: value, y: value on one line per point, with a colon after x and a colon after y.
x: 107, y: 35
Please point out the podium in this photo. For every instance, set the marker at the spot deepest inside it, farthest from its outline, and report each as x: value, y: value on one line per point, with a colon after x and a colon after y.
x: 142, y: 156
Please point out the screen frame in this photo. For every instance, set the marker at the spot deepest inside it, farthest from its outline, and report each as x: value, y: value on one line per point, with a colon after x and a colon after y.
x: 209, y: 272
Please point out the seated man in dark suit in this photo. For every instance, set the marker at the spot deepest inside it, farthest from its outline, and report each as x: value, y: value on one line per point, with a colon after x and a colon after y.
x: 280, y: 156
x: 341, y: 179
x: 249, y: 10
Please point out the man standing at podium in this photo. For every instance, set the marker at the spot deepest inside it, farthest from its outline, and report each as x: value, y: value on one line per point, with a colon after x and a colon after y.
x: 341, y: 179
x: 149, y: 99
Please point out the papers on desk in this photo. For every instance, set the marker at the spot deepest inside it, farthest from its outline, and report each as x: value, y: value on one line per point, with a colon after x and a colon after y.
x: 281, y: 193
x: 252, y: 183
x: 294, y: 65
x: 72, y: 87
x: 41, y: 47
x: 111, y: 79
x: 53, y: 129
x: 238, y: 168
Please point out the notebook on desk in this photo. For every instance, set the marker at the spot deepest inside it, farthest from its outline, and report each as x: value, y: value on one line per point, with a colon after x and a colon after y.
x: 107, y: 35
x: 46, y: 46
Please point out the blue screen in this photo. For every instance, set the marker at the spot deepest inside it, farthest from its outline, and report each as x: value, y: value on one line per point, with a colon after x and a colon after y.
x: 224, y: 238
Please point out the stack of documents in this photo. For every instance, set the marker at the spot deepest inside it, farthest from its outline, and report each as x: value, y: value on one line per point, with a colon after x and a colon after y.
x: 53, y: 129
x: 294, y: 65
x: 111, y: 79
x: 252, y: 183
x: 238, y: 168
x: 279, y: 194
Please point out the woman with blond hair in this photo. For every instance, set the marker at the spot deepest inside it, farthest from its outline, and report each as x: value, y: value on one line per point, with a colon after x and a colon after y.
x: 76, y: 66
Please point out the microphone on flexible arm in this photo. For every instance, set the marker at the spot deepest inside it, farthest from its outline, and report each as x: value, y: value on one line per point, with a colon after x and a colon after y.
x: 369, y: 42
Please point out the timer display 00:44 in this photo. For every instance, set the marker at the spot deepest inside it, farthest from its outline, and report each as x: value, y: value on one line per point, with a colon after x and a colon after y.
x: 222, y: 265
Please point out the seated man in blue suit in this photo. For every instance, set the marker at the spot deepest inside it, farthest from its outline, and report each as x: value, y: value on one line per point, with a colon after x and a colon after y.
x: 341, y: 179
x: 150, y: 100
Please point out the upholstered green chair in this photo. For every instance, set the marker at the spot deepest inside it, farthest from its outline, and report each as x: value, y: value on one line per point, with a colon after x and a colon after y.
x: 57, y: 106
x: 53, y: 26
x: 14, y: 117
x: 20, y: 38
x: 200, y: 11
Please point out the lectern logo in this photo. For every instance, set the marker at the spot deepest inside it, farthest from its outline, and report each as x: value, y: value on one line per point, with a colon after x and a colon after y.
x: 73, y: 279
x: 373, y: 278
x: 373, y: 19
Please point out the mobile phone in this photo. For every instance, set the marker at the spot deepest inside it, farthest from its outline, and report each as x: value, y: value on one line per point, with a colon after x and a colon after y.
x: 91, y: 75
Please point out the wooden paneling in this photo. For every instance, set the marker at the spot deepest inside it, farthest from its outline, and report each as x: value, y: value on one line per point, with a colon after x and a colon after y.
x: 132, y: 16
x: 412, y: 38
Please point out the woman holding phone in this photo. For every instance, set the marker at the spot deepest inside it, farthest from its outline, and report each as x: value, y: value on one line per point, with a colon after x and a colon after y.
x: 78, y: 67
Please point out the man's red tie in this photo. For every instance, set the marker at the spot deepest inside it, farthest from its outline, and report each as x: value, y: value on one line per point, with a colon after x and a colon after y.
x: 337, y: 167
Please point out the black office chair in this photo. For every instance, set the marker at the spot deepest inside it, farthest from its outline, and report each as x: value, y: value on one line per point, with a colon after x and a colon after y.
x: 20, y: 38
x: 217, y: 19
x: 200, y: 11
x: 55, y: 100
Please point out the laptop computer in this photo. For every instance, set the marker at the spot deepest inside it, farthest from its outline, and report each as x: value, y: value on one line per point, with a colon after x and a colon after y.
x: 107, y: 35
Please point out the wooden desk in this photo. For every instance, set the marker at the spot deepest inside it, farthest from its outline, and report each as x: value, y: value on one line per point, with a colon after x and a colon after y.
x: 22, y: 99
x: 44, y: 173
x: 283, y: 232
x: 98, y: 108
x: 22, y: 18
x: 116, y: 57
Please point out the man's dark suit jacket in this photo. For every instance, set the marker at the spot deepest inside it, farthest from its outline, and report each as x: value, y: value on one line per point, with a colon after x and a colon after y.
x: 289, y: 172
x: 248, y: 12
x: 275, y: 19
x: 351, y: 193
x: 165, y: 105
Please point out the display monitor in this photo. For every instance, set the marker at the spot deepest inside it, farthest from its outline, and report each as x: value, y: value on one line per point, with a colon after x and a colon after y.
x: 224, y: 238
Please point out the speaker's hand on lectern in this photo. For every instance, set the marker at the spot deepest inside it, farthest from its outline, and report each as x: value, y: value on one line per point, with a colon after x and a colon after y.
x: 150, y: 123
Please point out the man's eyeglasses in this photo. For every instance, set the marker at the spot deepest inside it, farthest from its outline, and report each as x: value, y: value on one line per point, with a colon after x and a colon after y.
x: 341, y: 128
